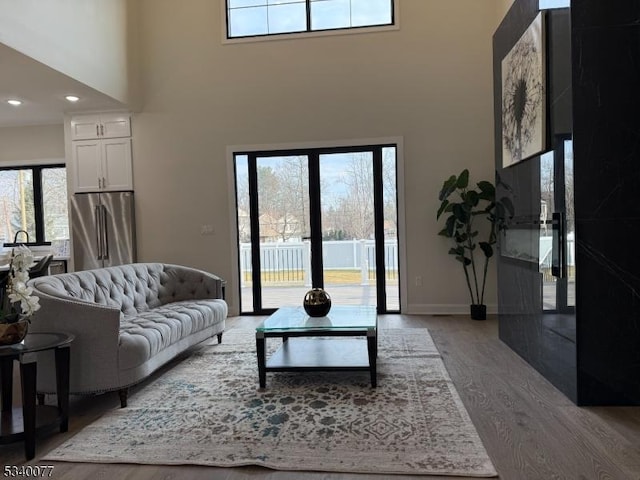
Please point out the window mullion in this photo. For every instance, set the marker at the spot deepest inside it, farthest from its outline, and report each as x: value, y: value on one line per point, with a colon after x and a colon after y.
x: 308, y: 15
x: 38, y: 210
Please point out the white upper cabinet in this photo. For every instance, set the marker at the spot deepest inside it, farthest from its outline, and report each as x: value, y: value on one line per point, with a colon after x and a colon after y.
x: 104, y: 125
x: 101, y: 152
x: 102, y: 165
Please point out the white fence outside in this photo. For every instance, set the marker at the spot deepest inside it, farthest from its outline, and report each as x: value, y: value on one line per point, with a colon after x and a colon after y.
x: 290, y: 262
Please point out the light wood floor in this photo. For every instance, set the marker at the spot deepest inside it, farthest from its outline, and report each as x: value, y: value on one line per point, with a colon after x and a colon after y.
x: 530, y: 430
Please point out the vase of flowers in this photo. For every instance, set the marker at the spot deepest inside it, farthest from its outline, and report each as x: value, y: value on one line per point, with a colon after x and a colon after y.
x: 17, y: 302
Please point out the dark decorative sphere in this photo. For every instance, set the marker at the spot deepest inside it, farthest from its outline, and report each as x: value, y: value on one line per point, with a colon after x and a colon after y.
x: 317, y: 302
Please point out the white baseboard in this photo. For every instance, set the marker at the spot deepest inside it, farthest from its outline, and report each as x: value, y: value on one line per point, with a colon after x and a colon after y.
x: 442, y: 309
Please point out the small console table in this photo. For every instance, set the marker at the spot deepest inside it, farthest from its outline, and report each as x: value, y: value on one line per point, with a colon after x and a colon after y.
x: 22, y: 423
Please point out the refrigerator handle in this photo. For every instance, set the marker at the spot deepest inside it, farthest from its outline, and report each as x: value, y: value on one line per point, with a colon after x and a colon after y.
x: 98, y: 224
x: 105, y: 237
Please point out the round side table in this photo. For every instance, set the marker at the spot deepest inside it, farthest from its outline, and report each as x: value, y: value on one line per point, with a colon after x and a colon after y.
x: 22, y: 423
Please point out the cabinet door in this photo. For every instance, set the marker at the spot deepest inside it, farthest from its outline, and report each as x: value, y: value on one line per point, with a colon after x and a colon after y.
x: 115, y: 125
x: 87, y: 156
x: 105, y: 125
x: 84, y: 127
x: 116, y: 164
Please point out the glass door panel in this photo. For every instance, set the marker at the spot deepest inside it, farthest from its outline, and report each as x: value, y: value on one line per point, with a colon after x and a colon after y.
x: 390, y: 211
x: 283, y: 219
x: 243, y: 209
x: 547, y: 208
x: 348, y: 228
x: 570, y: 224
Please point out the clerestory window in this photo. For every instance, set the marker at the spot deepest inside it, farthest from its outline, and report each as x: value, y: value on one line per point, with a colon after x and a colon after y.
x: 254, y: 18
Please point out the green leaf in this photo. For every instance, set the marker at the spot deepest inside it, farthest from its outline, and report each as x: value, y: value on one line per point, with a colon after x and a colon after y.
x: 472, y: 198
x: 487, y: 249
x: 448, y: 187
x: 460, y: 213
x: 487, y: 190
x: 451, y: 226
x: 464, y: 260
x: 443, y: 206
x: 463, y: 179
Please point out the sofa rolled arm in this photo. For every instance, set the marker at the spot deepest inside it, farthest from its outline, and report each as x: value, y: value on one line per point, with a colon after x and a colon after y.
x: 186, y: 283
x: 95, y: 347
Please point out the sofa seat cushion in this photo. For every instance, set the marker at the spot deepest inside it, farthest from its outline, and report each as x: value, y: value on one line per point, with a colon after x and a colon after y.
x: 146, y: 333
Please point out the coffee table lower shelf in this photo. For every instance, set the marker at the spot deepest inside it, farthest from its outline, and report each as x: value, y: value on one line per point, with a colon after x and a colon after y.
x: 309, y: 354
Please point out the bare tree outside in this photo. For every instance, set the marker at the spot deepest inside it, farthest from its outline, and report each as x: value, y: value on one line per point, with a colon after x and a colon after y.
x: 55, y: 203
x: 357, y: 203
x: 283, y: 193
x: 389, y: 186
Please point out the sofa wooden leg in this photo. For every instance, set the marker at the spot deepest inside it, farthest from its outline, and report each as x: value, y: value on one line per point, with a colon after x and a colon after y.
x: 123, y: 393
x: 220, y: 338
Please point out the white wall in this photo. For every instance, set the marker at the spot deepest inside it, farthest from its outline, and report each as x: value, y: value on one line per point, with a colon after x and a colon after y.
x: 42, y: 142
x: 429, y: 82
x: 503, y: 8
x: 84, y: 39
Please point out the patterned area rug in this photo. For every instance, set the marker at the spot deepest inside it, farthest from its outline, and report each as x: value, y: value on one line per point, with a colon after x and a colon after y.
x: 208, y: 410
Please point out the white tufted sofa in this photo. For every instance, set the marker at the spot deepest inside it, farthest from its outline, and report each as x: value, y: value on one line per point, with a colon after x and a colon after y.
x: 127, y: 320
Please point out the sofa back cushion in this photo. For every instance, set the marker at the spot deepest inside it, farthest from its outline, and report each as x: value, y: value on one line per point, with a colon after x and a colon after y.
x: 130, y: 288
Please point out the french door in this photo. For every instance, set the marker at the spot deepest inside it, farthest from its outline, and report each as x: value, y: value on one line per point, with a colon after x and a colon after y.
x: 317, y: 218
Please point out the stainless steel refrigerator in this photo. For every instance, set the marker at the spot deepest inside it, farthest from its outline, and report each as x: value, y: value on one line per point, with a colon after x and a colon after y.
x: 104, y: 232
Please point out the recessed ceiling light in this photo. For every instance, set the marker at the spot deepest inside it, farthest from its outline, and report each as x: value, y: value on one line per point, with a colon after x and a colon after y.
x: 14, y: 102
x: 72, y: 98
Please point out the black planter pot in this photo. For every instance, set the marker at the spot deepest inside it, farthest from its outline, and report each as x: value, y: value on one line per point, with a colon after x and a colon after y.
x: 478, y: 312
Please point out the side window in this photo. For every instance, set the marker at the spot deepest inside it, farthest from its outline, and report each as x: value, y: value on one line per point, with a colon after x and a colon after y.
x: 34, y: 199
x: 253, y: 18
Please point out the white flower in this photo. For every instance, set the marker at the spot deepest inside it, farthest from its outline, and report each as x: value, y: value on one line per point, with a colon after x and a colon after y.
x: 23, y: 259
x: 20, y: 276
x: 16, y: 288
x: 21, y: 293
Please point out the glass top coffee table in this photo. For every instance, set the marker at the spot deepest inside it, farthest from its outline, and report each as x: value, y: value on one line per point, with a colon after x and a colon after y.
x: 312, y: 353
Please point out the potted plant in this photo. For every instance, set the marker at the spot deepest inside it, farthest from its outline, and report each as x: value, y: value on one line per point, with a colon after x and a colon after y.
x: 17, y: 304
x: 466, y: 206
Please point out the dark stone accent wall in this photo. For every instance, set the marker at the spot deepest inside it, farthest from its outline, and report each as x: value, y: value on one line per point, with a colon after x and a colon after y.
x: 592, y: 355
x: 606, y: 128
x: 523, y: 324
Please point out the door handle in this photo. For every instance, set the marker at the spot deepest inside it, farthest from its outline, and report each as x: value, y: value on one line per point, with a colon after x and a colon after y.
x: 558, y: 252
